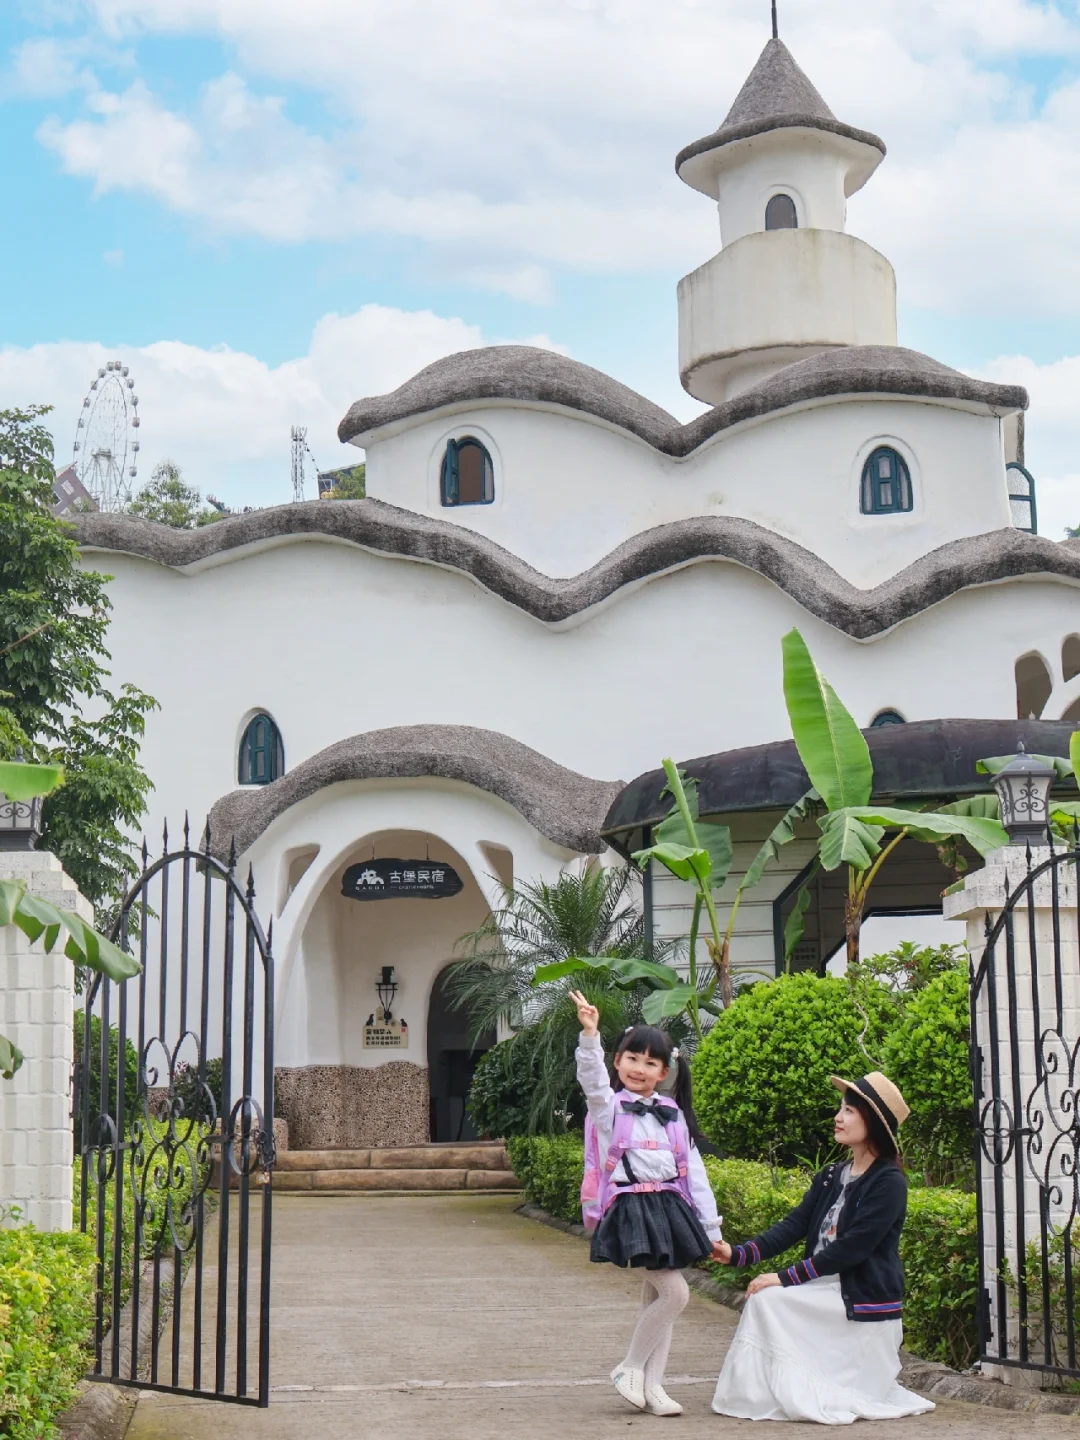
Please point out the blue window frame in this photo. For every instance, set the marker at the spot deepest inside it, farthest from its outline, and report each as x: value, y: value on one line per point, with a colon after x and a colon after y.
x: 468, y: 476
x: 780, y: 213
x: 1022, y: 497
x: 887, y: 717
x: 886, y: 483
x: 262, y: 755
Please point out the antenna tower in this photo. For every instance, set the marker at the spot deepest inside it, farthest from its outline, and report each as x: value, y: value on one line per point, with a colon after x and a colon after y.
x: 300, y: 456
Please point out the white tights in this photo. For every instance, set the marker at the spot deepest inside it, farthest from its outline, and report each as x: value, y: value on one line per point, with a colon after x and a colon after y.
x: 663, y: 1299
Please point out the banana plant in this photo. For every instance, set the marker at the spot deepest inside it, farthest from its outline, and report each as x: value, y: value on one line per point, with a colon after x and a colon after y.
x: 854, y: 832
x: 36, y: 918
x: 698, y: 852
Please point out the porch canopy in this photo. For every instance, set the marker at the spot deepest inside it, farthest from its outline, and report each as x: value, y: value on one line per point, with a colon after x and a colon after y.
x: 750, y: 789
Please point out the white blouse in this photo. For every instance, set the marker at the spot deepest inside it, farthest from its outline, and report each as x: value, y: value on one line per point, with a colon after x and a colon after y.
x: 593, y: 1077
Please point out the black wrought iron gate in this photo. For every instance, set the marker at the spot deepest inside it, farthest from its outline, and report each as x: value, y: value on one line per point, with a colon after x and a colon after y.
x: 1025, y: 1026
x: 176, y: 1144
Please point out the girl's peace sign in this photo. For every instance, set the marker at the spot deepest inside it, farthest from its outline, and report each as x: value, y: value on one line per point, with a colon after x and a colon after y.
x: 587, y: 1014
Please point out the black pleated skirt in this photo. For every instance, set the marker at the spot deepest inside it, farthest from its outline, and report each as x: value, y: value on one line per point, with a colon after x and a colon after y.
x: 654, y: 1230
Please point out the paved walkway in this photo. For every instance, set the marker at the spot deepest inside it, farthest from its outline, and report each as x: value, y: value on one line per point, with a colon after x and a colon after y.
x: 454, y: 1318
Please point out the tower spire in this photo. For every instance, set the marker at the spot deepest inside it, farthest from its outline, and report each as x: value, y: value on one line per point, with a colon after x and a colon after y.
x: 775, y: 29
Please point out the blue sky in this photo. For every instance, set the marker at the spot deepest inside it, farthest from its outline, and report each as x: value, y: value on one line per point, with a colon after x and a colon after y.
x: 268, y: 212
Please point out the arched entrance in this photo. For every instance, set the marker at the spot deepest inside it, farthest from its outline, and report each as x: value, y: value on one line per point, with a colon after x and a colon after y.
x: 452, y: 1057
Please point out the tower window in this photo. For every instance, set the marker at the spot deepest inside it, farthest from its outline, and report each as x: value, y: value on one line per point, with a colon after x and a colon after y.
x: 887, y: 717
x: 886, y: 484
x: 1022, y: 497
x: 468, y: 476
x: 780, y: 214
x: 262, y: 755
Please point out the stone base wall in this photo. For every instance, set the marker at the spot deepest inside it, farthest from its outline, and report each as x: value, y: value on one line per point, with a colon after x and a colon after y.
x: 328, y: 1105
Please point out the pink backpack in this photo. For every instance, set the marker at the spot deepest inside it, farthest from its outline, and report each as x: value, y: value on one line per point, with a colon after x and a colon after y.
x: 597, y: 1191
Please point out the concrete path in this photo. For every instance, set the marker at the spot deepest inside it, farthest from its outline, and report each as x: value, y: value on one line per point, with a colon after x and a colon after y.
x: 453, y: 1318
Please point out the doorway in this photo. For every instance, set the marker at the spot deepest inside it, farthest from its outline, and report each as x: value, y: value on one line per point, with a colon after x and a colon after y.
x: 452, y: 1059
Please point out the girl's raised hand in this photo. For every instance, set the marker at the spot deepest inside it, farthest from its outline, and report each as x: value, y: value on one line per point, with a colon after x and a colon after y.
x: 588, y: 1015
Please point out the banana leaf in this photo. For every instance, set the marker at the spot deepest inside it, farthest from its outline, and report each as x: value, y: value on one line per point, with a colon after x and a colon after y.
x: 11, y: 1057
x: 22, y: 781
x: 681, y: 860
x: 829, y: 742
x: 39, y: 920
x: 1060, y: 766
x: 982, y: 807
x: 781, y: 834
x: 796, y: 921
x: 982, y: 834
x: 662, y: 1004
x: 848, y: 840
x: 627, y: 971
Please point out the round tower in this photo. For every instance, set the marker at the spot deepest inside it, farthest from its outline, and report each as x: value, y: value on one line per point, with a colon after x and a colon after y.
x: 788, y: 281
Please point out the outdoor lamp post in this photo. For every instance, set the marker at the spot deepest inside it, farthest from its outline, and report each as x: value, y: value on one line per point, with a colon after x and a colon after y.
x: 386, y: 989
x: 1023, y: 791
x: 20, y: 822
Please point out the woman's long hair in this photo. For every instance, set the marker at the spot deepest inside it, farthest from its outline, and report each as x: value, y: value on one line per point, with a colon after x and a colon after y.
x: 877, y: 1134
x: 648, y: 1040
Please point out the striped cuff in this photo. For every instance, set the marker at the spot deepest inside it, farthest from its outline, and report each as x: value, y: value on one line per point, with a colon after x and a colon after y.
x: 743, y: 1255
x: 799, y: 1273
x: 881, y: 1307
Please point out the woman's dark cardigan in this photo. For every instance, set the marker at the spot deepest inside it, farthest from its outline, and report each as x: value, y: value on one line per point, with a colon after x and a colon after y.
x: 866, y: 1251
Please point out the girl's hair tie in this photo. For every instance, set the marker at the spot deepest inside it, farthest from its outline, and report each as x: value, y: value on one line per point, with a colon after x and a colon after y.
x: 674, y: 1052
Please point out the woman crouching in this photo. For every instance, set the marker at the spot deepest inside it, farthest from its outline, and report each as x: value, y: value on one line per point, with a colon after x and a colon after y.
x: 821, y: 1339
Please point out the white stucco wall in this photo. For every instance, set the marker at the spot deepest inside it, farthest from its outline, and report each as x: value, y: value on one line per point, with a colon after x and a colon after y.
x: 685, y: 665
x: 777, y: 296
x: 569, y: 489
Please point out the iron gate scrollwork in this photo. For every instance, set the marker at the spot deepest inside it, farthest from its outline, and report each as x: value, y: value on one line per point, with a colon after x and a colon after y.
x: 1025, y: 1053
x: 176, y: 1145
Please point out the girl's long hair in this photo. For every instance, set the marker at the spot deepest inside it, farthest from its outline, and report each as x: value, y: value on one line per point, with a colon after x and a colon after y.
x: 648, y: 1040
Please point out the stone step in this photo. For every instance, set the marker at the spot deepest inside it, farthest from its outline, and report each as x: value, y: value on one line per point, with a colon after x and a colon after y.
x: 384, y: 1180
x: 488, y: 1158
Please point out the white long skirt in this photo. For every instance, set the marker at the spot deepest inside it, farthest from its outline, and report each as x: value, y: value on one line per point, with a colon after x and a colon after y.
x: 796, y: 1356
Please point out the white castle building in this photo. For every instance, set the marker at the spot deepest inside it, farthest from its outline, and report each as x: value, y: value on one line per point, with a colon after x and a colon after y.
x: 554, y: 584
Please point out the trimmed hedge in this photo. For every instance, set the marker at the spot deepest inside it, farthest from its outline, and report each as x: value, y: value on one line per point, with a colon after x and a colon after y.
x: 939, y: 1245
x: 46, y: 1310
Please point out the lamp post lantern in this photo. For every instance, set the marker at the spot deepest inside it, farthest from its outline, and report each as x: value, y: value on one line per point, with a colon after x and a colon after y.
x: 386, y: 989
x: 1023, y: 791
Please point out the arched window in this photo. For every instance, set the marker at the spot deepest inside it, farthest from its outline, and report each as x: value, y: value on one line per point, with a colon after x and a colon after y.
x: 887, y: 717
x: 886, y: 484
x: 780, y: 214
x: 468, y: 476
x: 1022, y: 497
x: 1070, y: 657
x: 1033, y: 686
x: 262, y: 755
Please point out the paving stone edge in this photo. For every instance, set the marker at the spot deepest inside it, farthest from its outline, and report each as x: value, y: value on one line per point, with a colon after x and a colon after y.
x: 926, y: 1377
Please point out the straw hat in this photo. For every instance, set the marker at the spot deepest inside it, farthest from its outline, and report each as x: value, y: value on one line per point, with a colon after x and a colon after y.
x: 882, y: 1096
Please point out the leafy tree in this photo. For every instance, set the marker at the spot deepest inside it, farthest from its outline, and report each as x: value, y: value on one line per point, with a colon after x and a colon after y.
x: 538, y: 924
x: 169, y: 500
x: 54, y: 616
x: 349, y: 484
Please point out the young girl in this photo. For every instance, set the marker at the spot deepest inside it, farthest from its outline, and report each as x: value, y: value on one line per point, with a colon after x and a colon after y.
x: 821, y: 1339
x: 648, y: 1223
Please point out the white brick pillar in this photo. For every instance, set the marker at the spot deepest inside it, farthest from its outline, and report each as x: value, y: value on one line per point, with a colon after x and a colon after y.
x: 1027, y: 1023
x: 36, y: 1004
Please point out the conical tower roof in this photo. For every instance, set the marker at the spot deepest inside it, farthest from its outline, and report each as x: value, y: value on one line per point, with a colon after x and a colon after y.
x: 775, y: 96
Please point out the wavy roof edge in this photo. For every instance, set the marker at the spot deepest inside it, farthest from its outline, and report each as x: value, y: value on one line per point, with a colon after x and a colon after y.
x: 530, y: 375
x: 920, y: 759
x: 813, y: 584
x: 562, y: 805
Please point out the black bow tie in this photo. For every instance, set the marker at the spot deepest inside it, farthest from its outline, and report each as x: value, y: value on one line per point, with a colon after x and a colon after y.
x: 664, y: 1113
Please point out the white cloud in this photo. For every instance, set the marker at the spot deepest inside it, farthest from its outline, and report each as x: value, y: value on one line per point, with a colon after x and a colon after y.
x: 541, y: 133
x: 46, y: 68
x: 224, y: 415
x: 113, y: 258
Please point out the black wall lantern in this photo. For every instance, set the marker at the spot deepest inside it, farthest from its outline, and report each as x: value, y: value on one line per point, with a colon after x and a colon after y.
x: 386, y: 988
x: 1023, y: 791
x: 20, y: 820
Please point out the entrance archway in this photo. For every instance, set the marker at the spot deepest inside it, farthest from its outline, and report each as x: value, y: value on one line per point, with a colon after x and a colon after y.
x: 452, y: 1058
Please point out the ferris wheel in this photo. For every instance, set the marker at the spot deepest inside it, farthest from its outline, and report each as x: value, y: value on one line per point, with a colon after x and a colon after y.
x: 107, y: 437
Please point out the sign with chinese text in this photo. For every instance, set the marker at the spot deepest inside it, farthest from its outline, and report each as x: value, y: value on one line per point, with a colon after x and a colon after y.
x: 386, y: 1035
x: 400, y: 879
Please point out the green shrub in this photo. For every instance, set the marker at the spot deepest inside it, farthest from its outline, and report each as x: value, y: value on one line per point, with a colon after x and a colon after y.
x: 761, y: 1075
x: 504, y: 1084
x: 549, y: 1168
x: 926, y: 1054
x: 46, y: 1314
x: 192, y: 1095
x: 940, y: 1251
x: 131, y: 1069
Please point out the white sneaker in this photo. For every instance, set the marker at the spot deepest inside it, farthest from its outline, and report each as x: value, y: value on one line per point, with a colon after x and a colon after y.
x: 659, y: 1402
x: 630, y: 1384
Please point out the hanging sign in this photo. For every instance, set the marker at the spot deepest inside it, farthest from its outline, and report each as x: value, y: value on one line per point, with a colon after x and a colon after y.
x: 386, y: 1034
x: 400, y: 879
